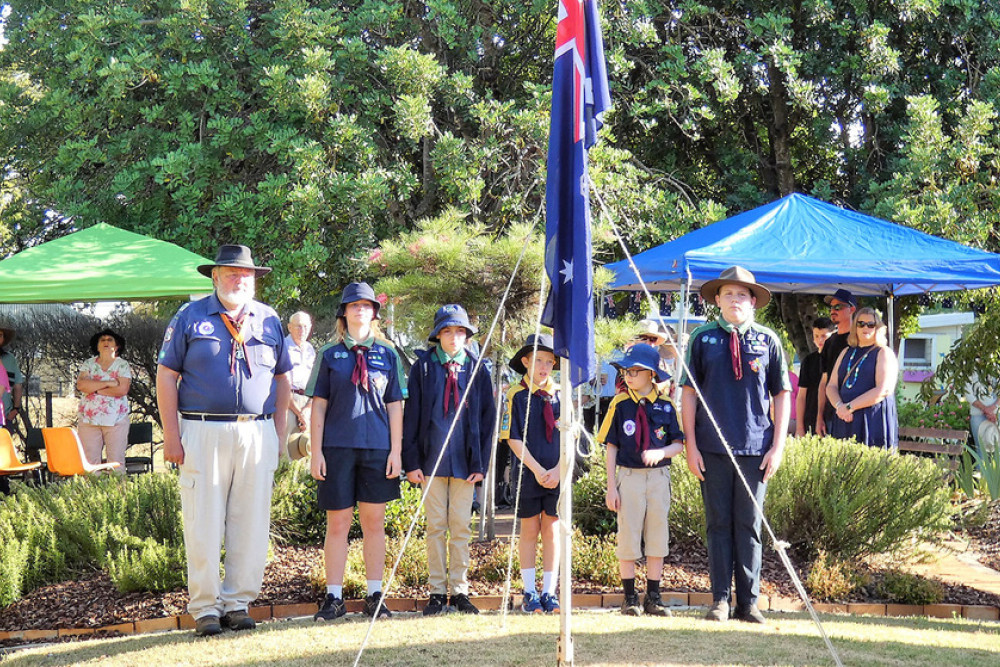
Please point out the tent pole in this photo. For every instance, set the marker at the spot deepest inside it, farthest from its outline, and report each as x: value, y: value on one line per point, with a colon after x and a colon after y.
x: 890, y: 307
x: 567, y: 456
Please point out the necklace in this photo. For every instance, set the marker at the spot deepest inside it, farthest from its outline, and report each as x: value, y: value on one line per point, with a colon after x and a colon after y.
x: 849, y: 378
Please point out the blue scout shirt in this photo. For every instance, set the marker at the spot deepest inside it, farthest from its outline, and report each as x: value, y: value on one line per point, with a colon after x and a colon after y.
x: 742, y: 407
x: 545, y: 451
x: 197, y: 345
x: 618, y: 428
x: 425, y: 425
x: 355, y: 418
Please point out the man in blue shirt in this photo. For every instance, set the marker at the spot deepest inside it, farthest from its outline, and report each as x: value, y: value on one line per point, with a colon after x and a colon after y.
x: 739, y: 368
x: 223, y: 391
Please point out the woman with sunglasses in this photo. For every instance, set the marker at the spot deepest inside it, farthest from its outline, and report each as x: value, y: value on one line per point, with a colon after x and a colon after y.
x: 862, y: 387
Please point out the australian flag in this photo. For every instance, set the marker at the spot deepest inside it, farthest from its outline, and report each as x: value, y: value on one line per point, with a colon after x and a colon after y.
x: 579, y: 98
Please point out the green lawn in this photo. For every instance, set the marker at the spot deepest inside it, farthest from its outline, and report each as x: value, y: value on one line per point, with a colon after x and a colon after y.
x: 601, y: 638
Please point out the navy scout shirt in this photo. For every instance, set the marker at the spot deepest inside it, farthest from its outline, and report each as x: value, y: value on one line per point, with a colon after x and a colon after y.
x: 355, y: 418
x: 198, y: 345
x: 618, y: 428
x: 741, y: 407
x: 545, y: 451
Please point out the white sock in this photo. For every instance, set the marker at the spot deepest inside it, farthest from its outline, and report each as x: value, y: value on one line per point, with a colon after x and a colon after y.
x: 374, y: 585
x: 528, y: 579
x: 549, y: 582
x: 335, y: 591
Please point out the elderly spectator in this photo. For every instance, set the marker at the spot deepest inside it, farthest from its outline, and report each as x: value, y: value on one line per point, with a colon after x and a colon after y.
x: 810, y: 376
x: 15, y: 379
x: 103, y: 383
x: 842, y: 306
x: 303, y: 357
x: 224, y: 368
x: 862, y: 386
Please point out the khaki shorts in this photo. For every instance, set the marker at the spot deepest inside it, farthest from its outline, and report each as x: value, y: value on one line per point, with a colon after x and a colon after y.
x: 644, y: 512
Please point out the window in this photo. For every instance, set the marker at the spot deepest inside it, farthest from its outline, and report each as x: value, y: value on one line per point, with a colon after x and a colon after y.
x: 917, y: 352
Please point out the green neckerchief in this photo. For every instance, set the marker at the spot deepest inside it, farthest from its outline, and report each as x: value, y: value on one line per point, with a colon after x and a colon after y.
x: 443, y: 357
x: 728, y: 328
x: 350, y: 342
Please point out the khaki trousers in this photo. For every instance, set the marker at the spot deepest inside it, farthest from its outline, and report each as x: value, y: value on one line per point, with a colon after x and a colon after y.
x: 225, y: 485
x: 95, y: 438
x: 449, y: 517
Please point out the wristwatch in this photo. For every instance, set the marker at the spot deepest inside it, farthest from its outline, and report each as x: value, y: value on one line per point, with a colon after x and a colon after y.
x: 849, y: 408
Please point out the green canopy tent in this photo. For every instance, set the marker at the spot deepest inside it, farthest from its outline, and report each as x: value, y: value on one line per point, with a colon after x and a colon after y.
x: 101, y: 263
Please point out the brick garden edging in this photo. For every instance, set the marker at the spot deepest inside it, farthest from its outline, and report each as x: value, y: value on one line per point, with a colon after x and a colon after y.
x: 493, y: 602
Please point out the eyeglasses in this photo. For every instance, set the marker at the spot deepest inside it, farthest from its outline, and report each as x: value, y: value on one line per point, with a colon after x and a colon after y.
x: 634, y: 372
x: 840, y: 306
x: 646, y: 338
x: 866, y: 325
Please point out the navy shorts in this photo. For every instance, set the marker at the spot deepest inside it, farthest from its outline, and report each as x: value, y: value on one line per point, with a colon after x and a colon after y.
x: 535, y: 505
x: 355, y: 476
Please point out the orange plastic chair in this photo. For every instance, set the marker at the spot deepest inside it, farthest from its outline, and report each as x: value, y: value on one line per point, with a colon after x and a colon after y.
x: 64, y: 454
x: 10, y: 464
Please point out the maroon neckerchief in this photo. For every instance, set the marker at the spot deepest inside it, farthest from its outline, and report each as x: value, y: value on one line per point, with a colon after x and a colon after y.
x: 451, y: 384
x: 548, y: 414
x: 360, y: 375
x: 734, y: 349
x: 642, y: 426
x: 237, y: 329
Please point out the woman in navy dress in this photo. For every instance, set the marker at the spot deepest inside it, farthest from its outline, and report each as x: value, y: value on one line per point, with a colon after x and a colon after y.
x: 863, y: 385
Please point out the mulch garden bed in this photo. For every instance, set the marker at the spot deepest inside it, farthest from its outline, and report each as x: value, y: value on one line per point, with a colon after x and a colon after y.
x: 985, y: 540
x: 92, y: 601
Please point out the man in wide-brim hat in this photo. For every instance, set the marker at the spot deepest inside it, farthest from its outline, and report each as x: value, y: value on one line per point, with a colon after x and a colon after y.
x: 223, y: 390
x: 739, y: 367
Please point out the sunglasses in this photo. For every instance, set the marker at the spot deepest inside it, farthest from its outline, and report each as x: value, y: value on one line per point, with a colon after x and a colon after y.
x: 647, y: 338
x: 866, y: 325
x: 840, y: 306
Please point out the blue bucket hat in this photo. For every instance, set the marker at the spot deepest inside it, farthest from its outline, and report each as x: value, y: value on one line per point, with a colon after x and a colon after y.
x: 358, y: 292
x: 451, y: 315
x: 641, y: 355
x: 544, y: 344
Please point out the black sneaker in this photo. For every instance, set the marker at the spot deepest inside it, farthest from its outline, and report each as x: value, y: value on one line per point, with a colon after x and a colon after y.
x: 331, y: 609
x: 461, y: 602
x: 630, y: 605
x: 435, y: 605
x: 372, y: 602
x: 653, y: 605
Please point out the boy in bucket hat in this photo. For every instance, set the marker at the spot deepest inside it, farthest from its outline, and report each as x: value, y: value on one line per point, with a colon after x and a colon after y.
x: 438, y: 425
x: 529, y: 426
x: 642, y: 435
x: 739, y: 367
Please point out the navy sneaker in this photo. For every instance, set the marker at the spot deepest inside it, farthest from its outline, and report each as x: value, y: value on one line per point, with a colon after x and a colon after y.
x: 463, y: 604
x: 372, y: 602
x: 436, y: 604
x: 532, y: 604
x: 331, y: 609
x: 550, y: 603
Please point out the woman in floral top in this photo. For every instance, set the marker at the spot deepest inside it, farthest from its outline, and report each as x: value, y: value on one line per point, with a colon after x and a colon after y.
x: 103, y: 384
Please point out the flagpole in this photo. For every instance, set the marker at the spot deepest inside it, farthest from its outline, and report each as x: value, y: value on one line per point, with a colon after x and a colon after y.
x: 567, y: 457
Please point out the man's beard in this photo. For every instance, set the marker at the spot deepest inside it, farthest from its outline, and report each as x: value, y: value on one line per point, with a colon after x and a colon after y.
x: 236, y: 298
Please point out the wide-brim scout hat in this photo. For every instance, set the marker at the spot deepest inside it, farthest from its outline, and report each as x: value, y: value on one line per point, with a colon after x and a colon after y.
x: 451, y: 315
x: 8, y: 334
x: 739, y: 276
x: 842, y: 295
x: 298, y: 445
x: 541, y: 342
x: 238, y: 256
x: 989, y: 436
x: 358, y: 292
x: 119, y: 341
x: 643, y: 356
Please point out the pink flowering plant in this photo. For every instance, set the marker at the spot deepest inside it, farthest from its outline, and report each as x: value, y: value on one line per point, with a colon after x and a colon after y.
x: 946, y: 414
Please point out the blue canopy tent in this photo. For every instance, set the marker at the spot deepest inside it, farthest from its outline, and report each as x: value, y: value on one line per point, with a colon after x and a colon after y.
x: 801, y: 244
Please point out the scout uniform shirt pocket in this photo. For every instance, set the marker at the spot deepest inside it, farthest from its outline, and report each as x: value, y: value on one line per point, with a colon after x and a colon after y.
x: 261, y: 346
x: 379, y: 367
x: 660, y: 418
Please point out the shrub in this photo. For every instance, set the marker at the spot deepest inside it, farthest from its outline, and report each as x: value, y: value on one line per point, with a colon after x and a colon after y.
x: 492, y: 566
x: 687, y: 510
x: 591, y: 515
x: 150, y: 566
x: 853, y: 501
x: 399, y: 513
x: 295, y: 516
x: 947, y: 414
x: 905, y: 588
x: 412, y: 570
x: 833, y: 579
x: 594, y: 559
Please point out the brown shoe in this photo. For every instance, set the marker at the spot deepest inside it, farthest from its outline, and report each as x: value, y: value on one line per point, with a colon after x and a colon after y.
x: 719, y: 611
x: 238, y: 620
x: 206, y: 626
x: 749, y: 614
